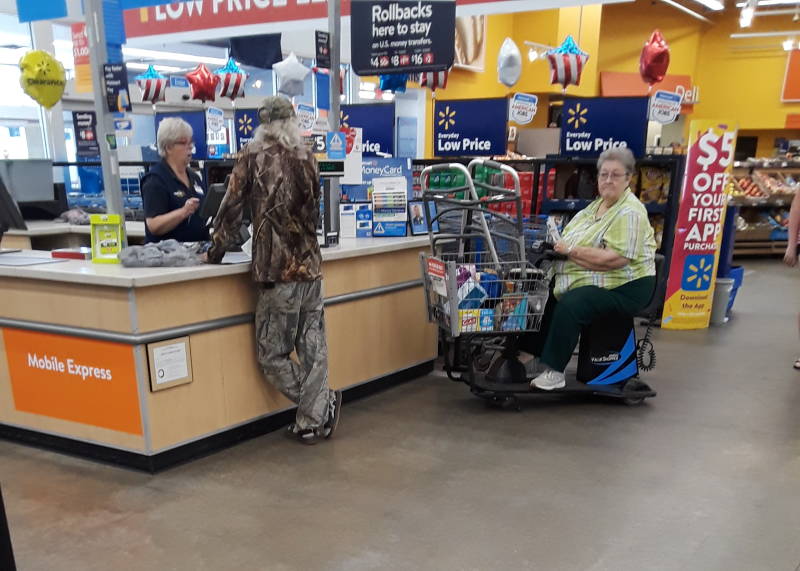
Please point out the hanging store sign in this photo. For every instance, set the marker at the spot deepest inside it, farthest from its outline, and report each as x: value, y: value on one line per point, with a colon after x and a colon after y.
x: 592, y: 125
x: 471, y: 127
x: 80, y: 54
x: 665, y: 107
x: 85, y: 125
x: 115, y: 79
x: 698, y: 233
x: 402, y: 36
x: 191, y: 19
x: 624, y: 84
x: 377, y: 123
x: 323, y: 44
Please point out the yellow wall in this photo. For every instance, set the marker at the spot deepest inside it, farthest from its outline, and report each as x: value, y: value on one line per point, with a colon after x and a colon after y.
x: 626, y: 27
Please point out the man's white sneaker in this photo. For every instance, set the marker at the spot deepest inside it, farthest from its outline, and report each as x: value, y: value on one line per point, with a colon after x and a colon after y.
x: 549, y: 380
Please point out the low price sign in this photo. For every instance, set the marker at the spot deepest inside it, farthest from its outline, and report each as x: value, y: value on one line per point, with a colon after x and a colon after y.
x: 698, y: 233
x: 402, y: 36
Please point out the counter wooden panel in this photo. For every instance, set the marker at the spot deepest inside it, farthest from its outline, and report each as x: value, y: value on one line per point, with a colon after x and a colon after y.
x: 78, y: 305
x: 172, y: 305
x: 368, y: 272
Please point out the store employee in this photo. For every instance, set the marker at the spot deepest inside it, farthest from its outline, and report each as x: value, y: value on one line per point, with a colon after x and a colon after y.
x: 172, y: 194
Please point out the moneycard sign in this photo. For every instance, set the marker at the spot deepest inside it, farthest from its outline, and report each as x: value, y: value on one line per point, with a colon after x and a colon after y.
x: 698, y: 233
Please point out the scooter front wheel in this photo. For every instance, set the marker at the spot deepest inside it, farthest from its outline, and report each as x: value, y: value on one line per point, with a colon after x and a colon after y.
x: 633, y: 401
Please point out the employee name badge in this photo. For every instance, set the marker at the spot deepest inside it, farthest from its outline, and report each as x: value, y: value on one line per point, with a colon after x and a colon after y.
x: 107, y: 237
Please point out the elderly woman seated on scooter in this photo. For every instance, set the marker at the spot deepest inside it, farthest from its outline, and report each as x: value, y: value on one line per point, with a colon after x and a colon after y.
x: 609, y: 268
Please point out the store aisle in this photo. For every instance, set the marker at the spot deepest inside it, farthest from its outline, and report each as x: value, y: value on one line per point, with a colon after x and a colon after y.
x: 706, y: 477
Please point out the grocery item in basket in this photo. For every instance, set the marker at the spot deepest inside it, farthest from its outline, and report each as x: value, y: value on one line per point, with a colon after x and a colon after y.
x: 469, y: 320
x: 464, y: 273
x: 491, y: 284
x: 487, y: 320
x: 471, y: 295
x: 513, y: 312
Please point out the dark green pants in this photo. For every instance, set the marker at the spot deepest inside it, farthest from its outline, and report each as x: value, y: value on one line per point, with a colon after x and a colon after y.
x: 564, y: 318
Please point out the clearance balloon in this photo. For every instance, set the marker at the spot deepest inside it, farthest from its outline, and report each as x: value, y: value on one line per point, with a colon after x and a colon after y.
x: 42, y: 77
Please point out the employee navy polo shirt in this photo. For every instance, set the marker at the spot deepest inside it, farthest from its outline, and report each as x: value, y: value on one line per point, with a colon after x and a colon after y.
x: 163, y: 192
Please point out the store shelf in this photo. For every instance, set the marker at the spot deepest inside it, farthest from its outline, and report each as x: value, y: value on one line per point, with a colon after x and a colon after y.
x: 760, y: 248
x: 771, y: 202
x: 655, y: 208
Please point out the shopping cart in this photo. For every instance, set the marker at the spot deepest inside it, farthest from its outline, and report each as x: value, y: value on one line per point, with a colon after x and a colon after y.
x: 482, y: 279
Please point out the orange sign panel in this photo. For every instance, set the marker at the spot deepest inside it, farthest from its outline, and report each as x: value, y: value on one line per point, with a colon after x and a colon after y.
x: 81, y: 380
x: 624, y: 84
x: 791, y: 80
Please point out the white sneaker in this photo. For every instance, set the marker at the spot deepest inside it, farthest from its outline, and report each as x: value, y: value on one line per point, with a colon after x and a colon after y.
x: 549, y: 380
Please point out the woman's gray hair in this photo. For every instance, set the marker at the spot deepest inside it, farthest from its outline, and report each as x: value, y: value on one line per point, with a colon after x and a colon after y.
x: 170, y: 131
x: 622, y: 155
x: 286, y: 132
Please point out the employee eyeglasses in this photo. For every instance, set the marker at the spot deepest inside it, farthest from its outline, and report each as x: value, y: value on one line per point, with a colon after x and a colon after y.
x: 611, y: 175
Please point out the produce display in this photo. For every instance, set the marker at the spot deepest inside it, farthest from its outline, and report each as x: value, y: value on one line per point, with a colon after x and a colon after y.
x: 746, y: 187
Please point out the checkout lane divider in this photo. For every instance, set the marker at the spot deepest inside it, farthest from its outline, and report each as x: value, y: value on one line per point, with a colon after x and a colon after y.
x: 192, y: 328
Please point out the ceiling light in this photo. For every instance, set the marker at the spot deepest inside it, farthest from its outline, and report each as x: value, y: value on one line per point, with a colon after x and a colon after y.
x: 686, y: 10
x: 366, y: 94
x: 257, y: 84
x: 387, y: 96
x: 746, y: 17
x: 533, y: 55
x: 770, y: 3
x: 711, y: 4
x: 366, y: 86
x: 788, y: 45
x: 170, y: 56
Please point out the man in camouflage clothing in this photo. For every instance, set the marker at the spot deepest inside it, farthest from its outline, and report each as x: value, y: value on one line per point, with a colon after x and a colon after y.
x: 277, y: 176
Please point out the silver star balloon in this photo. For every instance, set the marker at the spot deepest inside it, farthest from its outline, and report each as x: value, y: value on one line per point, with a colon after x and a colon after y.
x: 291, y: 76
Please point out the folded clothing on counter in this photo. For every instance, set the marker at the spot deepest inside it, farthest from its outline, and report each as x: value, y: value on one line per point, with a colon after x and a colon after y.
x: 169, y: 253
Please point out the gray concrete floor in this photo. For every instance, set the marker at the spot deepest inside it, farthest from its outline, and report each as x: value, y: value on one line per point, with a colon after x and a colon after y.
x: 706, y: 476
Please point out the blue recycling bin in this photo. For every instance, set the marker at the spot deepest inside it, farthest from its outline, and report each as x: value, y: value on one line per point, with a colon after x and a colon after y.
x: 728, y: 239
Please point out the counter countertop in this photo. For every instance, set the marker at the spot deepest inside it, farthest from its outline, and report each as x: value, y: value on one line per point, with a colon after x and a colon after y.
x: 114, y: 275
x: 54, y: 228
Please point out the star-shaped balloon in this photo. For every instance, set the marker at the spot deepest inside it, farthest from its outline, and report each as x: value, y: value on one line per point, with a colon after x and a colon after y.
x: 291, y: 76
x: 231, y: 79
x: 202, y: 83
x: 153, y: 85
x: 566, y: 63
x: 394, y: 82
x: 654, y: 60
x: 509, y: 63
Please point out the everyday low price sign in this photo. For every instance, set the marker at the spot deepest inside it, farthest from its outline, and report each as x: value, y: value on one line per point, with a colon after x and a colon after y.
x: 590, y: 126
x: 471, y: 127
x: 377, y: 123
x: 402, y: 36
x: 698, y: 233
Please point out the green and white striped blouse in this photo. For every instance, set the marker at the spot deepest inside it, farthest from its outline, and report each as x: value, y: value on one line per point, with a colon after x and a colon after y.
x: 625, y: 229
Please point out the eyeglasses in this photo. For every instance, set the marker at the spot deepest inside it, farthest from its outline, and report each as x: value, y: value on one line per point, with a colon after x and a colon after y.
x: 184, y: 142
x: 611, y: 175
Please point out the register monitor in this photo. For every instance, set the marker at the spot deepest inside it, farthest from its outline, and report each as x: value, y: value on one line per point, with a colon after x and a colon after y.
x: 10, y: 216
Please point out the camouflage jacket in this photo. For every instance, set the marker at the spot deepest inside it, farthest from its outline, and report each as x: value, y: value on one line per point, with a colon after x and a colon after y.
x: 283, y: 193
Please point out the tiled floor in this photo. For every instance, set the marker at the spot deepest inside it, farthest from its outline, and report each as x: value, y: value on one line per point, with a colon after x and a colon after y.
x: 706, y: 477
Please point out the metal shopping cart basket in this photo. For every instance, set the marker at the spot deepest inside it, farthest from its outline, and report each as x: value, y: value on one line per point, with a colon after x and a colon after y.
x: 480, y: 283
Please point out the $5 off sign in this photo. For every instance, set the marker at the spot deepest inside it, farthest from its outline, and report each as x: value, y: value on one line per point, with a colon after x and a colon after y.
x: 698, y: 232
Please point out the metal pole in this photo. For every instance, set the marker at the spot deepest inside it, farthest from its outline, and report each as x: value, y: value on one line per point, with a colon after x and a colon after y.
x: 98, y: 55
x: 335, y: 31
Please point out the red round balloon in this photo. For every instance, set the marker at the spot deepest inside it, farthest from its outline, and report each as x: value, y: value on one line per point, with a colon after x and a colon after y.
x: 202, y: 83
x: 654, y: 60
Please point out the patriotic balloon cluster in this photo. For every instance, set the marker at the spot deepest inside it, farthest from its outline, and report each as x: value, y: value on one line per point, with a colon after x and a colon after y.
x: 231, y: 80
x: 566, y: 63
x: 153, y: 85
x: 434, y: 80
x: 654, y: 61
x: 202, y: 83
x: 393, y: 82
x: 509, y: 63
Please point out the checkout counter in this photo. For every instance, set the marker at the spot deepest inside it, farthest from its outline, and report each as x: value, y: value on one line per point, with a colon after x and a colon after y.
x: 147, y: 367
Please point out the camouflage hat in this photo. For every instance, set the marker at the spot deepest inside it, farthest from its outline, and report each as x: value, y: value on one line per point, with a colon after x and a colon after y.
x: 274, y: 108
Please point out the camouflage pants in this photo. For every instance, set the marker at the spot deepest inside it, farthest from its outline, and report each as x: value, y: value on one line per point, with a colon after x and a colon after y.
x: 289, y: 317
